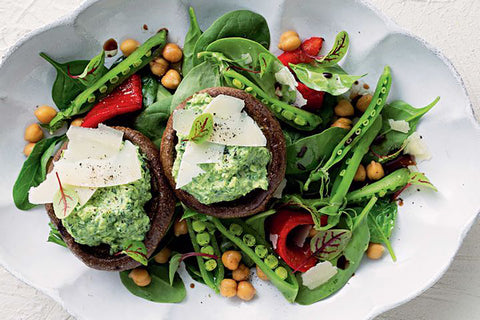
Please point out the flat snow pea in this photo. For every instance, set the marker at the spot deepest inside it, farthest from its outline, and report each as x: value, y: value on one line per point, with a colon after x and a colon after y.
x: 152, y: 121
x: 205, y: 75
x: 191, y: 39
x: 306, y: 154
x: 33, y: 171
x: 353, y: 253
x: 159, y: 290
x: 240, y: 23
x: 399, y: 110
x: 333, y: 80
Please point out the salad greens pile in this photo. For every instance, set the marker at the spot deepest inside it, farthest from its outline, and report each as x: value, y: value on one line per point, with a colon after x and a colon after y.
x: 344, y: 215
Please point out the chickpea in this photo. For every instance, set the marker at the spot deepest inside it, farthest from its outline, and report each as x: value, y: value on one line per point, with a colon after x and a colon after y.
x: 128, y: 46
x: 241, y: 273
x: 375, y: 171
x: 261, y: 274
x: 163, y: 255
x: 289, y: 41
x: 364, y: 102
x: 159, y: 66
x: 172, y: 52
x: 231, y: 259
x: 343, y: 123
x: 28, y: 148
x: 171, y: 79
x: 45, y: 113
x: 180, y: 228
x: 77, y: 122
x: 361, y: 174
x: 245, y: 290
x: 344, y: 109
x: 33, y: 133
x: 140, y: 277
x: 375, y: 251
x: 228, y: 288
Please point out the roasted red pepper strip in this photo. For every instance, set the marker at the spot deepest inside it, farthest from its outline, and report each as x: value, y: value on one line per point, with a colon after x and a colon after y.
x: 314, y: 98
x: 124, y: 99
x: 280, y: 226
x: 305, y: 54
x: 312, y: 46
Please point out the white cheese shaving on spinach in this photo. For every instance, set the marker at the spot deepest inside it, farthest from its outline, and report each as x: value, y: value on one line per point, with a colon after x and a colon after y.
x: 318, y: 275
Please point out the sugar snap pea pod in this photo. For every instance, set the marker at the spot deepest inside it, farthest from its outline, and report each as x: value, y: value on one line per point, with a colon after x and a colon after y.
x: 366, y: 120
x: 134, y: 62
x: 255, y: 247
x: 345, y: 178
x: 353, y: 254
x: 203, y: 240
x: 293, y: 116
x: 391, y: 183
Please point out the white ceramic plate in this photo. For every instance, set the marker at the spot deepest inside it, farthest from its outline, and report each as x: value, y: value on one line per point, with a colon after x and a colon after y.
x: 430, y: 226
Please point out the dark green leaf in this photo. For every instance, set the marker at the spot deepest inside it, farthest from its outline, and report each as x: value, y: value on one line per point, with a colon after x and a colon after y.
x: 152, y: 121
x: 159, y: 290
x: 339, y: 50
x: 202, y: 128
x: 257, y: 222
x: 306, y: 154
x: 54, y: 236
x: 240, y: 23
x: 137, y: 251
x: 191, y: 38
x: 33, y: 171
x: 333, y: 80
x: 328, y: 244
x: 173, y: 266
x: 149, y: 90
x: 399, y: 110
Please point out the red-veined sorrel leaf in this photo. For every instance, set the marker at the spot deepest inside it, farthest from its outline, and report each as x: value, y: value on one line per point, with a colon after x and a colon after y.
x: 137, y: 251
x: 338, y: 51
x: 202, y: 128
x: 64, y: 200
x: 328, y: 244
x: 419, y: 179
x: 177, y: 258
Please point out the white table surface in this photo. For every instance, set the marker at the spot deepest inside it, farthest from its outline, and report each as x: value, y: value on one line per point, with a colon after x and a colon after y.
x: 453, y: 26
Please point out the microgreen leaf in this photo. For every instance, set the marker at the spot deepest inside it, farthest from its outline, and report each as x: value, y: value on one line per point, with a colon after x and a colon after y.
x: 328, y: 244
x: 97, y: 62
x: 54, y: 236
x: 64, y: 200
x: 419, y: 179
x: 202, y: 128
x: 173, y: 266
x: 381, y: 221
x: 339, y: 50
x: 137, y: 251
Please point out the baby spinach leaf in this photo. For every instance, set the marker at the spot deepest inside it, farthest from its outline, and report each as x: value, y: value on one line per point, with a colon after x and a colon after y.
x: 339, y: 50
x: 173, y: 266
x: 328, y: 244
x: 149, y: 90
x: 137, y: 251
x: 332, y: 79
x: 159, y: 290
x: 240, y: 23
x: 381, y: 221
x: 152, y: 121
x: 202, y: 128
x: 54, y: 236
x: 33, y: 171
x: 399, y: 110
x: 306, y: 154
x: 191, y: 38
x: 257, y: 222
x: 204, y: 75
x: 65, y: 89
x: 64, y: 200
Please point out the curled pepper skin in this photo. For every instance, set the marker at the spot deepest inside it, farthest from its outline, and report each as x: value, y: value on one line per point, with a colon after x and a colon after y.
x: 124, y: 99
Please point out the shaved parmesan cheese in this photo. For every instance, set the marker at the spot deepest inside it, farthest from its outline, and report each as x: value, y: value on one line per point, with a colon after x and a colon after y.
x: 195, y: 154
x: 279, y: 192
x: 318, y: 275
x: 399, y: 125
x: 87, y: 143
x: 300, y: 101
x: 224, y: 106
x: 417, y: 148
x: 246, y: 57
x: 274, y: 240
x: 123, y: 168
x: 183, y: 120
x: 285, y: 77
x: 237, y: 131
